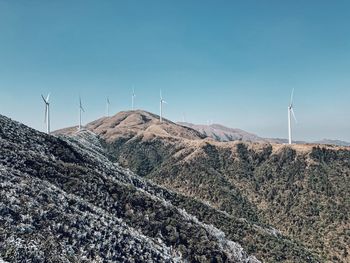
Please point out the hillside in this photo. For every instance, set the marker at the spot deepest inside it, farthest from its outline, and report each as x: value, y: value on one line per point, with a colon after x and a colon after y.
x: 301, y: 191
x: 222, y: 133
x: 125, y: 125
x: 63, y: 200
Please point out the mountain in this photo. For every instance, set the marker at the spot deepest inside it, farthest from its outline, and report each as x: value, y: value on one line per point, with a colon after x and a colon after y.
x: 333, y: 142
x: 63, y: 200
x: 222, y: 133
x: 299, y: 194
x: 128, y: 124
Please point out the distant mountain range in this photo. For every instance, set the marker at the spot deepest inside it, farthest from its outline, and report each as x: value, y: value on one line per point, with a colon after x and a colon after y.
x: 224, y: 134
x: 333, y: 142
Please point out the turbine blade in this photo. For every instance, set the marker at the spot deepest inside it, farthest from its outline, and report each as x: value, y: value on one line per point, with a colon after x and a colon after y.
x: 295, y: 119
x: 81, y: 105
x: 43, y: 98
x: 47, y: 98
x: 160, y: 93
x: 291, y: 97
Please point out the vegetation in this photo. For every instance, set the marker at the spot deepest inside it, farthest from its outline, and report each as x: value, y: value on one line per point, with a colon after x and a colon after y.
x: 302, y: 193
x: 62, y: 200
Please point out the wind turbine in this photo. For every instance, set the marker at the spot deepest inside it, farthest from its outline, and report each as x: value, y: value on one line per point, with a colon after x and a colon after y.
x: 161, y: 106
x: 108, y: 103
x: 290, y: 113
x: 81, y: 109
x: 47, y: 112
x: 133, y: 95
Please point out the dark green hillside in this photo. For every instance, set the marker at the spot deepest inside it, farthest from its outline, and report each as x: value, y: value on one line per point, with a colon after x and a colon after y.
x: 304, y: 195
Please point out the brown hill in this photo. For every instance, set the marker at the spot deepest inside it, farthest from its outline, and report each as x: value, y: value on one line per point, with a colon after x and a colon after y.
x: 127, y: 124
x: 224, y: 134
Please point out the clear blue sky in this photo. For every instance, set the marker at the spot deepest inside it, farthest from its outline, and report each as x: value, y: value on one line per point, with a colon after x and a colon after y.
x: 233, y: 62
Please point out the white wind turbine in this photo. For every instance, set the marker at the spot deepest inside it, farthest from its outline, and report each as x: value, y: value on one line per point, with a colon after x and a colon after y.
x: 107, y: 104
x: 133, y: 95
x: 290, y: 113
x: 81, y: 109
x: 47, y: 112
x: 161, y: 106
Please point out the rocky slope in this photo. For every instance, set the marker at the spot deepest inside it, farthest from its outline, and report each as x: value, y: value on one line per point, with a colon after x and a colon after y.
x: 63, y: 200
x: 297, y: 194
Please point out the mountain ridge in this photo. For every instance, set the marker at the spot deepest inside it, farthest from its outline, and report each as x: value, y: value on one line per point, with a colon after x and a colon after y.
x: 222, y: 133
x: 130, y: 123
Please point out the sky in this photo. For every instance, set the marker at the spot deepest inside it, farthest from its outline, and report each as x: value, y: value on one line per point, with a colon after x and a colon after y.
x: 230, y: 62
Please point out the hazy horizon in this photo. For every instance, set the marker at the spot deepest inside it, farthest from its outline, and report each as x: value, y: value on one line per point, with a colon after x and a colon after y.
x: 231, y: 62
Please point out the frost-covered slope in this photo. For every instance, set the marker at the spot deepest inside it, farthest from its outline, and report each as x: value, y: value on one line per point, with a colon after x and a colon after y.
x: 62, y: 200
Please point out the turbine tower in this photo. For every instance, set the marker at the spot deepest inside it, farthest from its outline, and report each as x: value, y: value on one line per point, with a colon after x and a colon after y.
x: 133, y: 95
x: 108, y: 103
x: 47, y: 112
x: 290, y: 113
x: 161, y: 106
x: 81, y: 109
